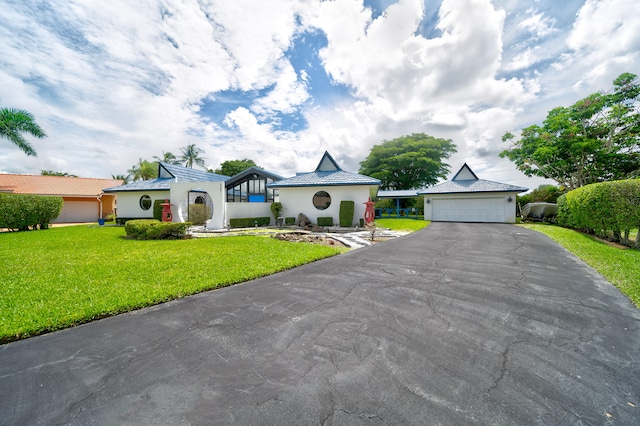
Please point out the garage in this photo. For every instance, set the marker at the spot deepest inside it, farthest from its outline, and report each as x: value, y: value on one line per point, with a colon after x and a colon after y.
x: 79, y: 211
x: 466, y: 198
x: 468, y: 210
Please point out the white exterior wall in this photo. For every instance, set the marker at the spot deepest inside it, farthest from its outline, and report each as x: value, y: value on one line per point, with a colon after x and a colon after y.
x: 215, y: 190
x: 128, y: 203
x: 509, y: 208
x: 300, y: 200
x: 246, y: 209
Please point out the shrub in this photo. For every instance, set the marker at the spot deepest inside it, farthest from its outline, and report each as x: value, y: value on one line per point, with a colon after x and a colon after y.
x: 347, y: 209
x: 199, y: 213
x: 157, y: 209
x: 276, y: 209
x: 290, y: 220
x: 602, y: 208
x: 21, y: 211
x: 249, y: 222
x: 153, y: 229
x: 325, y: 221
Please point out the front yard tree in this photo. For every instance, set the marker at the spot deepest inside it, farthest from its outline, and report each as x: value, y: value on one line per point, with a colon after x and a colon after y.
x: 594, y: 140
x: 14, y: 123
x: 191, y: 155
x: 233, y: 167
x: 143, y: 170
x: 409, y: 162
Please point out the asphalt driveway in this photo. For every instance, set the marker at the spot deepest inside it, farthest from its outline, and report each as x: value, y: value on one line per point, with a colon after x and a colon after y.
x: 457, y: 324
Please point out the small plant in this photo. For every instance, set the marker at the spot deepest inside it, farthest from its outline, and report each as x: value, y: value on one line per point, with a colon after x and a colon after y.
x: 276, y: 209
x: 371, y: 227
x: 289, y: 220
x: 325, y: 221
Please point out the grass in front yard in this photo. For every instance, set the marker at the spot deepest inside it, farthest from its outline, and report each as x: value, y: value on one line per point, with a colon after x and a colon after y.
x: 61, y: 277
x: 409, y: 225
x: 618, y: 265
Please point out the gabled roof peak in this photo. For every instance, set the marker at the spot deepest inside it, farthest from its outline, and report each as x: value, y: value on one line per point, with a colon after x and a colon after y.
x: 328, y: 164
x: 465, y: 173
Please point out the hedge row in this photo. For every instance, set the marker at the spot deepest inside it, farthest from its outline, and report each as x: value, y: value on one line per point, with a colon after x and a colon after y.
x: 153, y: 229
x: 347, y: 209
x: 607, y: 209
x: 21, y: 211
x: 325, y: 221
x: 248, y: 222
x: 290, y: 220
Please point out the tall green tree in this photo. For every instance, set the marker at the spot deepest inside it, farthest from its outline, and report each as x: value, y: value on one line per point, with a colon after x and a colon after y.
x: 167, y: 157
x: 594, y: 140
x: 143, y: 170
x: 191, y: 155
x: 233, y: 167
x: 409, y: 162
x: 16, y: 122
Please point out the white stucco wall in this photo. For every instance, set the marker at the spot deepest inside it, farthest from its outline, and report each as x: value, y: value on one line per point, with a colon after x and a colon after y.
x: 300, y: 200
x: 128, y: 203
x: 242, y: 210
x: 509, y: 208
x: 215, y: 190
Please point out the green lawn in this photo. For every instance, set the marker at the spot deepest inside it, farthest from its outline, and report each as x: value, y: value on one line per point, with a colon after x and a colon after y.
x: 618, y: 265
x: 402, y: 224
x: 60, y: 277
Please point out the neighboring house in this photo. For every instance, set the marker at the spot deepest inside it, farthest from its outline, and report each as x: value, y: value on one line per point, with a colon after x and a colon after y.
x: 319, y: 193
x: 465, y: 198
x: 84, y: 199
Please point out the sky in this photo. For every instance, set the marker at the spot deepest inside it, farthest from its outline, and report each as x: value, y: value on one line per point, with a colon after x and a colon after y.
x: 282, y: 81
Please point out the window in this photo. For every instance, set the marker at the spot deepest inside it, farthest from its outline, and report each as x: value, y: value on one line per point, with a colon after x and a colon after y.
x: 145, y: 202
x: 252, y: 189
x: 321, y: 200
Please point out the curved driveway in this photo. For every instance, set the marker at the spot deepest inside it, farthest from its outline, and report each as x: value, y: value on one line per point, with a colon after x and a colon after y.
x: 457, y: 324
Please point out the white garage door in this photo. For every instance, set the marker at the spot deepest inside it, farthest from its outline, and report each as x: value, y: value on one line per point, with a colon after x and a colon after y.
x: 79, y: 211
x: 468, y: 210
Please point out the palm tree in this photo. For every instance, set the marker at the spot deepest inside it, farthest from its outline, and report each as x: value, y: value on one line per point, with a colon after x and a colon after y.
x: 15, y: 122
x: 167, y: 157
x: 143, y: 170
x: 123, y: 178
x: 191, y: 154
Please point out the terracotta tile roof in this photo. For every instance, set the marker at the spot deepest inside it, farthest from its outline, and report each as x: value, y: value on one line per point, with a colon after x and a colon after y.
x: 54, y: 185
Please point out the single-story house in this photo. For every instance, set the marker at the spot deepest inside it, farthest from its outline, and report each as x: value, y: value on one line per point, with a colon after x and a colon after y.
x: 319, y: 193
x: 465, y: 198
x: 247, y: 194
x: 243, y: 195
x: 84, y: 199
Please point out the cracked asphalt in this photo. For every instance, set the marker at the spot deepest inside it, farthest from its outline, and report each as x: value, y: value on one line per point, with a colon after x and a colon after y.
x: 457, y: 324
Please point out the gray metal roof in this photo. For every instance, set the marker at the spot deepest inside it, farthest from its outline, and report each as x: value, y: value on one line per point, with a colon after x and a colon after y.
x: 339, y: 177
x: 400, y: 193
x: 328, y: 173
x: 258, y: 171
x: 471, y: 185
x: 168, y: 174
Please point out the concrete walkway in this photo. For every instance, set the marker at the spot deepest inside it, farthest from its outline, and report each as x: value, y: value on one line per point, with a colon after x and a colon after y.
x: 458, y: 324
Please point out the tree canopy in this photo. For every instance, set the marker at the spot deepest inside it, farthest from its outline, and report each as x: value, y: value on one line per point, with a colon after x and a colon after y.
x: 409, y: 162
x: 594, y: 140
x: 143, y: 170
x: 191, y: 155
x: 15, y: 122
x: 233, y: 167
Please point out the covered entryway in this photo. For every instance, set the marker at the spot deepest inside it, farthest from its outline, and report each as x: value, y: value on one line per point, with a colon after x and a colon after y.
x: 468, y: 210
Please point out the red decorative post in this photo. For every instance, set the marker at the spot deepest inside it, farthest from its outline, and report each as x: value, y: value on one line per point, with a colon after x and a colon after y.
x: 369, y: 214
x: 166, y: 211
